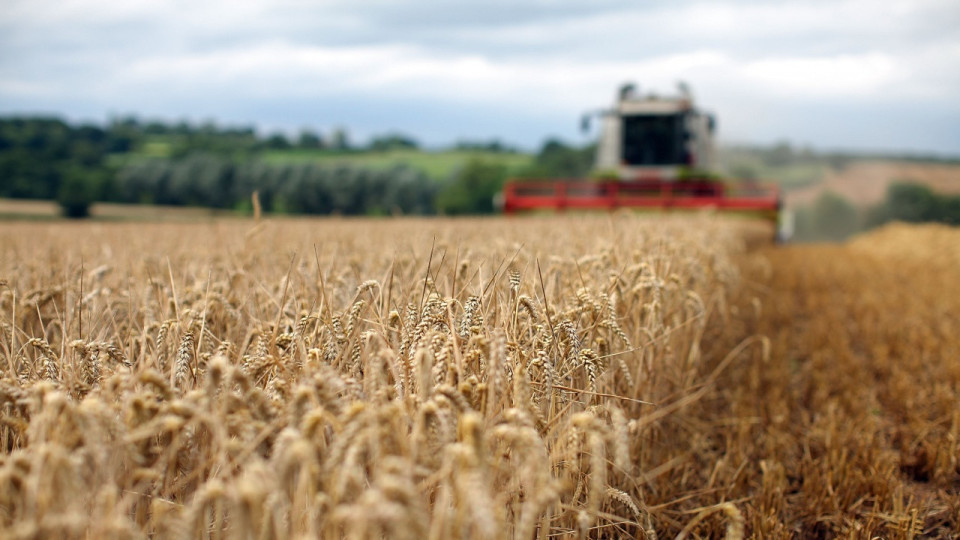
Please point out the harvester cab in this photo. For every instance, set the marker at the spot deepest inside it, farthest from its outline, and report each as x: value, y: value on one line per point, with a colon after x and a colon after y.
x: 654, y: 137
x: 654, y: 152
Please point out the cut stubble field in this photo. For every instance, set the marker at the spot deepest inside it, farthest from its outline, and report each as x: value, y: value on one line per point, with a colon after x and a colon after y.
x: 544, y: 377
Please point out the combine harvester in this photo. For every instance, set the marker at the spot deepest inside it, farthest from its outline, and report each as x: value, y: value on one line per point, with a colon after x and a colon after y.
x: 654, y: 153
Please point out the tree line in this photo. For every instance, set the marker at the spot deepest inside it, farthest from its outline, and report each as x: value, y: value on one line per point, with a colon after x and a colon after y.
x: 202, y: 179
x: 219, y: 167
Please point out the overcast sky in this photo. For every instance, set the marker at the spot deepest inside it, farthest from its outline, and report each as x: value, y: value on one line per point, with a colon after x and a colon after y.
x: 852, y: 74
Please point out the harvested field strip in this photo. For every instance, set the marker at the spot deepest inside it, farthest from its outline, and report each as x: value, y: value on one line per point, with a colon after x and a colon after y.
x: 858, y: 411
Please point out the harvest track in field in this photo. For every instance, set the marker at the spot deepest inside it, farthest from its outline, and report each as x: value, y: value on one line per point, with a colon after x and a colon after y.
x: 857, y: 429
x: 578, y: 376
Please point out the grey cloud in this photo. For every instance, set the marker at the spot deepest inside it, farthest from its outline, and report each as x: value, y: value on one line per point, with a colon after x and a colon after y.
x: 87, y: 55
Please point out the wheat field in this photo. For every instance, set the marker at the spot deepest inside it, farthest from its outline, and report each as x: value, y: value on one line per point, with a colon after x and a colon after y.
x: 612, y: 376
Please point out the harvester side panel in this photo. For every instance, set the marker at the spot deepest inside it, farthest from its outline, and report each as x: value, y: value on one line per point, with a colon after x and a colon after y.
x: 561, y: 195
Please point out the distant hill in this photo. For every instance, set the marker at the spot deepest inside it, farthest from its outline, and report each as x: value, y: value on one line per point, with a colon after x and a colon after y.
x: 865, y: 183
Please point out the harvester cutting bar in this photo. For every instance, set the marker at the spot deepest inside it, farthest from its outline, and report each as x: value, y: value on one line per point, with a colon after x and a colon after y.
x: 685, y: 194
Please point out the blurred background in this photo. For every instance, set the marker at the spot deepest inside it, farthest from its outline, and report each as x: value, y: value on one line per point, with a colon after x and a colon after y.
x: 410, y: 106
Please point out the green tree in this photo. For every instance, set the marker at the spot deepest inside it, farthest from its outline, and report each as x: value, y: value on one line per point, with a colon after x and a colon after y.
x: 915, y: 203
x: 911, y: 202
x: 559, y: 160
x: 76, y: 194
x: 830, y: 217
x: 950, y: 210
x: 278, y: 141
x: 493, y: 145
x: 471, y: 189
x: 339, y: 139
x: 309, y: 140
x: 393, y: 141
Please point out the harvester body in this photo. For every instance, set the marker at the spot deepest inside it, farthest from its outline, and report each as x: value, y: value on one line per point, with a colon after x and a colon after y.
x: 652, y: 137
x: 653, y: 152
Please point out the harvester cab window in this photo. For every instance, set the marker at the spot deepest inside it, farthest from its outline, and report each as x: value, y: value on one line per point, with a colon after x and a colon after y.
x: 654, y: 139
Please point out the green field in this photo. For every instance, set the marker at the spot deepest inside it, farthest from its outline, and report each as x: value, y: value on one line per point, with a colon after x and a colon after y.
x: 436, y: 164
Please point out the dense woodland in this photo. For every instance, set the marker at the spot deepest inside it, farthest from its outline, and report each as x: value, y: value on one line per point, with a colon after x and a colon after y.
x: 133, y: 161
